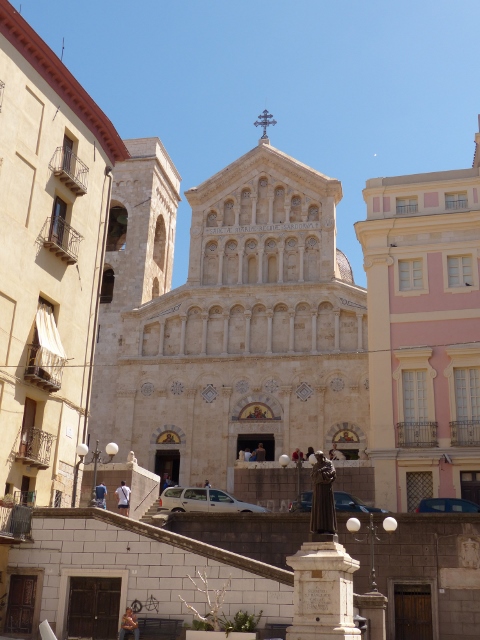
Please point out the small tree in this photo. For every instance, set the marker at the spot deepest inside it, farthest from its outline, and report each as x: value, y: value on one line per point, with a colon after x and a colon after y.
x: 214, y: 597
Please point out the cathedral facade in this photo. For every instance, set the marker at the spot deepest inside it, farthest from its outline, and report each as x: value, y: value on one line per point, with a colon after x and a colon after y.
x: 266, y: 342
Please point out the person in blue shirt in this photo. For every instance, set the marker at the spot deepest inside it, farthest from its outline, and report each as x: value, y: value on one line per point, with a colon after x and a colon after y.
x: 101, y: 496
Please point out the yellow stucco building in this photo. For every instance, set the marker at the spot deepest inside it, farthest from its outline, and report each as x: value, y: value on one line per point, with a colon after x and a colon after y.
x: 57, y: 149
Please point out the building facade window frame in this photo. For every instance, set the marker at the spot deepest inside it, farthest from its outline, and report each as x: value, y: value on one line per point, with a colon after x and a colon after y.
x: 415, y: 360
x: 410, y: 258
x: 466, y: 282
x: 461, y: 357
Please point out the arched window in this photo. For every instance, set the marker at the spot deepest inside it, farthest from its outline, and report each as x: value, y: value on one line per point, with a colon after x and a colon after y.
x: 252, y: 270
x: 159, y: 243
x: 108, y: 282
x: 155, y: 288
x: 117, y: 229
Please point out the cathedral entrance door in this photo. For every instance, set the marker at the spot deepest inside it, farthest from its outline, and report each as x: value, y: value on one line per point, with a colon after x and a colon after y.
x: 251, y: 441
x: 167, y: 461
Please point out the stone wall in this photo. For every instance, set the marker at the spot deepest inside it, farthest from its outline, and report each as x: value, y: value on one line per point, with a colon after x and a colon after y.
x: 275, y: 488
x: 144, y: 485
x: 151, y: 563
x: 441, y: 551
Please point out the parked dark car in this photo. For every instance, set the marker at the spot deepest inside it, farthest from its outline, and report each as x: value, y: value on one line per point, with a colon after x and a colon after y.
x: 447, y: 505
x: 343, y: 502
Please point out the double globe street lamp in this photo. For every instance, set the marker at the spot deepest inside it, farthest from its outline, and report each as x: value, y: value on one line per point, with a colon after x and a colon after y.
x: 390, y: 526
x: 82, y: 450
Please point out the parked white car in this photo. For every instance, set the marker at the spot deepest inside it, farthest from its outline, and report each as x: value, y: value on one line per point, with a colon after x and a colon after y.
x: 181, y: 499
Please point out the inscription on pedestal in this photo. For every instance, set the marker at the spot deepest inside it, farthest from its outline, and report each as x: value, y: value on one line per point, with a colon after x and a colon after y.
x: 316, y: 599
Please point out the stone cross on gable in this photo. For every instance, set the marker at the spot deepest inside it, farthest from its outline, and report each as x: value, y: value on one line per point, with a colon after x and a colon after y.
x: 265, y: 119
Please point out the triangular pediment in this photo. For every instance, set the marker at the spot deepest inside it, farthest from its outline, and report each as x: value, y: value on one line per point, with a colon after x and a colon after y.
x: 264, y: 159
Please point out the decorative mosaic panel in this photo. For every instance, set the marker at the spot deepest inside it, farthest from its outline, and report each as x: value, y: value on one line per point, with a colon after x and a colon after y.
x: 337, y: 384
x: 209, y: 393
x: 303, y: 391
x: 177, y: 388
x: 271, y: 386
x: 242, y: 386
x: 147, y: 389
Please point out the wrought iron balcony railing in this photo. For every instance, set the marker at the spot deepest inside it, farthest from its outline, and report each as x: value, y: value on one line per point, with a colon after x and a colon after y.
x: 61, y: 239
x: 407, y: 208
x: 42, y: 373
x: 416, y: 434
x: 465, y: 433
x: 70, y: 169
x: 35, y: 448
x: 456, y: 204
x: 15, y: 522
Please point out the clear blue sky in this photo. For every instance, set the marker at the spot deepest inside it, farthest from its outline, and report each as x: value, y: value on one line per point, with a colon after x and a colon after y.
x: 345, y: 80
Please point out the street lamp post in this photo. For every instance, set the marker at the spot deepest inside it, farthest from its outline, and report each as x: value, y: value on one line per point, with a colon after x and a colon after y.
x: 82, y: 450
x: 353, y: 525
x: 284, y: 461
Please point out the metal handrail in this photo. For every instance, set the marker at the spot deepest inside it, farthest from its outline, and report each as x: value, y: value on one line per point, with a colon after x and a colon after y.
x: 66, y: 162
x: 140, y: 503
x: 58, y: 232
x: 465, y: 433
x: 417, y: 434
x: 407, y: 208
x: 37, y: 446
x: 456, y: 204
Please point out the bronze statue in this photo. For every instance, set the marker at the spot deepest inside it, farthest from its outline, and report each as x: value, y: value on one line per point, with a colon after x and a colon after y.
x: 323, y: 518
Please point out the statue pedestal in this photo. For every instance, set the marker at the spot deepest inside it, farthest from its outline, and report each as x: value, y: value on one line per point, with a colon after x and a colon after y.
x: 323, y: 592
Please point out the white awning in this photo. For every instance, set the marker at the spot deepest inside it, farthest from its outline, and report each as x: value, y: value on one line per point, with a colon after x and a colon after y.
x: 51, y: 356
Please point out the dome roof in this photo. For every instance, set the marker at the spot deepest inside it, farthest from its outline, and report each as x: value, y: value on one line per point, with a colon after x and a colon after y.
x: 346, y: 273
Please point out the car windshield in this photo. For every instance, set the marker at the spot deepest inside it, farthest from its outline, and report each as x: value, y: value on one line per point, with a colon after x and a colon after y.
x: 358, y: 501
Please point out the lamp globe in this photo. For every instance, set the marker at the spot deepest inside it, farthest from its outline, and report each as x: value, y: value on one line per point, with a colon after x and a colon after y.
x: 353, y: 525
x: 312, y: 459
x: 284, y: 460
x: 111, y: 449
x: 390, y: 524
x: 82, y: 450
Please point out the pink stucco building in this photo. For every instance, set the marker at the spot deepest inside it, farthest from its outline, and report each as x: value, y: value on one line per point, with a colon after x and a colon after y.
x: 421, y: 242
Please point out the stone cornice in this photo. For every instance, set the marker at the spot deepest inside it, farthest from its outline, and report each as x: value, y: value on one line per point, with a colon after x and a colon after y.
x: 262, y: 157
x: 174, y: 539
x: 230, y: 357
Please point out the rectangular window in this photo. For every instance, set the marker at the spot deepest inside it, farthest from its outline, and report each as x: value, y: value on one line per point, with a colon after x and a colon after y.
x: 456, y: 201
x: 58, y: 499
x: 407, y: 205
x: 410, y: 274
x: 460, y: 271
x: 467, y: 394
x: 415, y: 396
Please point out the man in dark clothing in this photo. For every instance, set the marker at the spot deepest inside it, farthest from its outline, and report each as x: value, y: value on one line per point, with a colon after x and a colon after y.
x: 101, y: 495
x: 260, y: 453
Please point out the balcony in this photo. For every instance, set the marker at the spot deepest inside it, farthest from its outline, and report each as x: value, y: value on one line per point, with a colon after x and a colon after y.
x: 61, y: 239
x: 456, y: 204
x: 416, y: 434
x: 35, y: 449
x: 407, y: 208
x: 15, y: 523
x: 70, y: 170
x: 465, y: 433
x: 43, y: 369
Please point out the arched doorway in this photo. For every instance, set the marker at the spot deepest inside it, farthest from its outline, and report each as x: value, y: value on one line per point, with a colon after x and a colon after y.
x: 168, y: 443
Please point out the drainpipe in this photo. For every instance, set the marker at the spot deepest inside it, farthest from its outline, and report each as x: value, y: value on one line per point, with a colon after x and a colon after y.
x: 108, y: 174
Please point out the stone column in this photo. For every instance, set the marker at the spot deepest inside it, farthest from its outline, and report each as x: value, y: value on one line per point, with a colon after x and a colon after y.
x: 248, y: 317
x: 285, y: 392
x: 320, y: 389
x: 204, y: 334
x: 314, y: 332
x: 236, y: 211
x: 228, y: 446
x: 186, y: 461
x: 270, y: 209
x: 225, y: 334
x: 240, y: 266
x: 269, y: 331
x: 281, y: 249
x: 360, y: 331
x: 254, y: 210
x: 162, y: 337
x: 301, y: 253
x: 323, y: 592
x: 291, y: 333
x: 287, y: 212
x: 182, y: 333
x: 260, y: 265
x: 337, y: 330
x: 373, y: 606
x: 220, y: 266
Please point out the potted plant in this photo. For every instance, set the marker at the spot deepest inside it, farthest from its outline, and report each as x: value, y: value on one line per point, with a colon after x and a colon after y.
x: 7, y: 501
x: 241, y: 628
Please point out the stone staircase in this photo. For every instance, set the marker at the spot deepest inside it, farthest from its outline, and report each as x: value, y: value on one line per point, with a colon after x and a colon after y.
x: 151, y: 511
